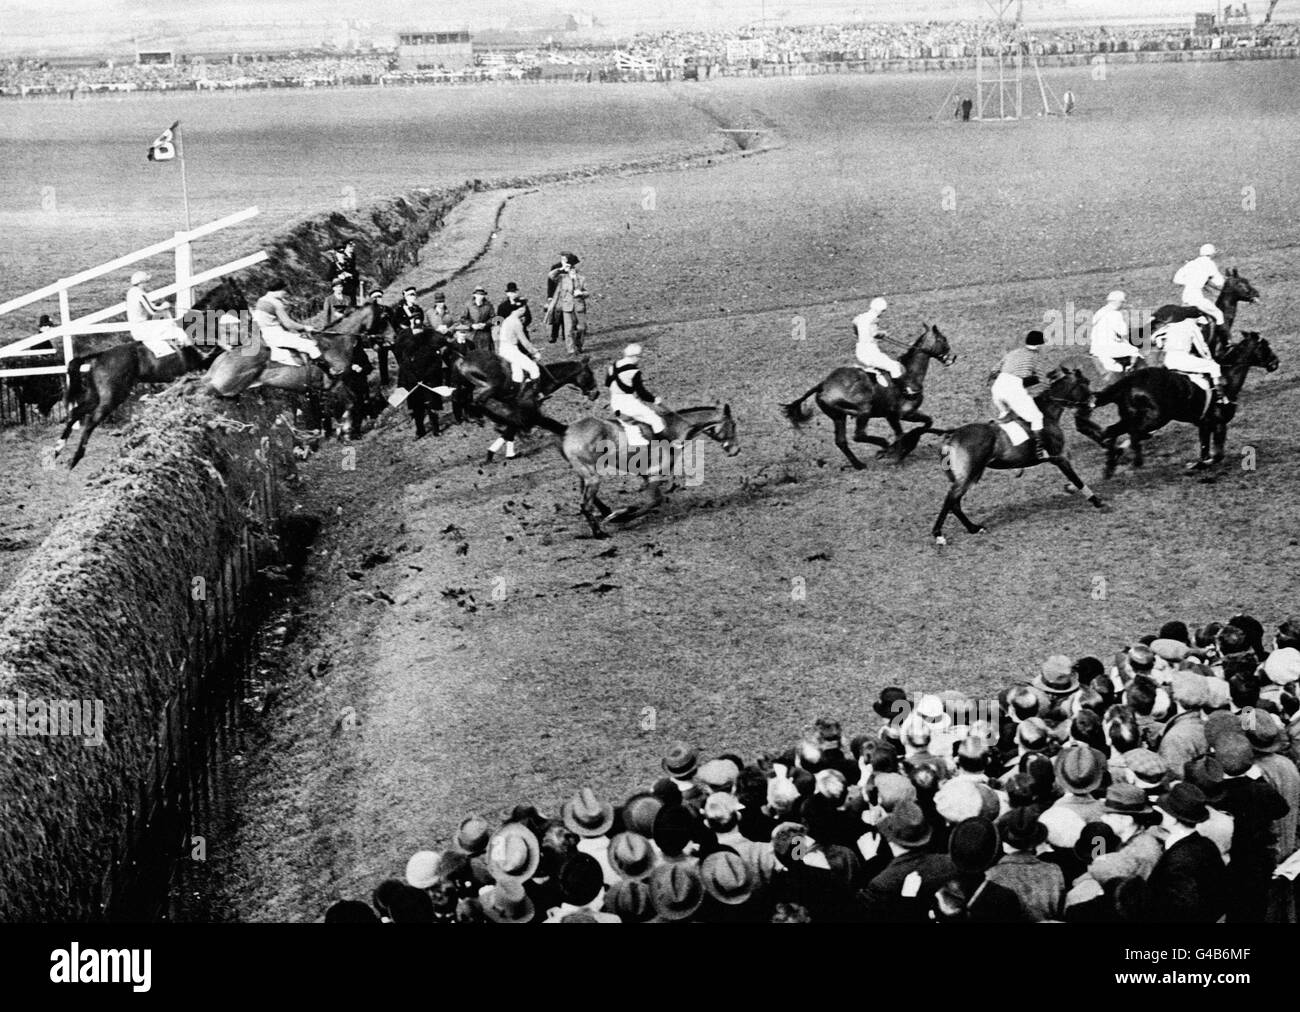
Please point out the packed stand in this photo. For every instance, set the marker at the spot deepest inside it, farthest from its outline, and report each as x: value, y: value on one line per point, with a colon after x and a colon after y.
x: 1162, y: 787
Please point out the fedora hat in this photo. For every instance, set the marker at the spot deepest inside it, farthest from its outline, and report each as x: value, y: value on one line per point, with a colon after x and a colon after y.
x: 631, y: 855
x: 1186, y: 803
x: 513, y: 852
x: 1126, y: 799
x: 887, y: 705
x: 906, y: 826
x: 1079, y: 769
x: 1021, y: 829
x: 1057, y: 676
x: 473, y: 834
x: 676, y: 891
x: 726, y: 877
x: 681, y: 761
x: 507, y: 903
x: 630, y: 900
x: 974, y: 845
x: 587, y: 815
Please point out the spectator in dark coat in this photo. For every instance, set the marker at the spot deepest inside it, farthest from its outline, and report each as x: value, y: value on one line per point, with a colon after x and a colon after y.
x: 1188, y: 886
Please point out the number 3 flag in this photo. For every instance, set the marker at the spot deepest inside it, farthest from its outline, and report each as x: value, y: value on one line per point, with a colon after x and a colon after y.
x: 164, y: 148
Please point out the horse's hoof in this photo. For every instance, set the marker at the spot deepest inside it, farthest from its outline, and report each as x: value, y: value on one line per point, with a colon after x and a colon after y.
x: 1097, y: 502
x: 1070, y: 489
x: 979, y: 530
x: 1197, y: 465
x: 940, y: 540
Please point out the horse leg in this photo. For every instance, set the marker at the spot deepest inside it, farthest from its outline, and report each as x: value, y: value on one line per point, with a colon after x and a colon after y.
x: 893, y: 449
x: 589, y: 486
x: 962, y: 472
x: 841, y: 439
x: 1220, y: 438
x: 1084, y: 424
x: 952, y: 504
x: 75, y: 414
x: 102, y: 409
x: 1066, y: 468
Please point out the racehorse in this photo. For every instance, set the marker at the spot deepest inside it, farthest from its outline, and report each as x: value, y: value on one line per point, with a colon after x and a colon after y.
x: 1236, y: 289
x: 114, y: 372
x: 853, y: 391
x: 1149, y: 399
x: 250, y: 365
x: 589, y: 444
x: 968, y: 450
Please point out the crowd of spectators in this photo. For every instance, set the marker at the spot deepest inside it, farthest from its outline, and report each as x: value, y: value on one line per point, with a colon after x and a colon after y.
x: 931, y: 40
x: 658, y: 54
x: 1161, y: 787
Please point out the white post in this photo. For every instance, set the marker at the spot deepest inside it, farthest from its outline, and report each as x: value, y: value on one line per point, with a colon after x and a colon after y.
x: 184, y: 269
x: 65, y: 314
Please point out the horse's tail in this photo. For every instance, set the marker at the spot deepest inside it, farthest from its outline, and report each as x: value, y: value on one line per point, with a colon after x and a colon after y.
x: 794, y: 411
x: 73, y: 396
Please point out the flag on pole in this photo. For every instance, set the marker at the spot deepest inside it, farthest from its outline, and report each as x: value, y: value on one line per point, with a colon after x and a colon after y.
x: 164, y: 148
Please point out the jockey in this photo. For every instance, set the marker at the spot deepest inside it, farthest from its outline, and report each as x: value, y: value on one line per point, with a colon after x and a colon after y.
x: 1187, y: 352
x: 152, y: 325
x: 278, y: 329
x: 514, y: 347
x: 1018, y: 368
x: 1109, y: 336
x: 1194, y: 275
x: 628, y: 396
x: 868, y: 351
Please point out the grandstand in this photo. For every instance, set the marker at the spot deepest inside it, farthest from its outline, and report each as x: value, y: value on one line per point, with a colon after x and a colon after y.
x: 420, y: 50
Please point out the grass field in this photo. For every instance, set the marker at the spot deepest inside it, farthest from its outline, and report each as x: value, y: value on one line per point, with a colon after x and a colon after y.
x: 76, y: 189
x: 518, y: 659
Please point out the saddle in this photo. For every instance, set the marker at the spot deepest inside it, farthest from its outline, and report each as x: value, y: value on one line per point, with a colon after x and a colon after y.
x: 637, y: 433
x: 1014, y: 426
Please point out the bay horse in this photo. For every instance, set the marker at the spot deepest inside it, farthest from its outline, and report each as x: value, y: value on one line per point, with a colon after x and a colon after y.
x: 968, y: 450
x: 1149, y: 399
x: 113, y: 373
x: 852, y: 391
x: 1236, y: 289
x: 597, y: 448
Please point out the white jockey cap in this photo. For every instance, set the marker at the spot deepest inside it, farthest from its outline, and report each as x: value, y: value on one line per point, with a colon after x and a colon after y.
x: 1116, y: 296
x: 878, y: 305
x: 632, y: 351
x: 140, y: 277
x: 1208, y: 250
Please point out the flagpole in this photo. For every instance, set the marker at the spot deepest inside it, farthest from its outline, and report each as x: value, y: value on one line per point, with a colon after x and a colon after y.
x: 185, y: 188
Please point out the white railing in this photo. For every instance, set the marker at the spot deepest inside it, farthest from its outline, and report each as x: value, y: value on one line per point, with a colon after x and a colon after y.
x: 182, y: 288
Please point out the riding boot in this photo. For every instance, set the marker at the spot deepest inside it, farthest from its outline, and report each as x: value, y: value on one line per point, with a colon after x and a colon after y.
x: 1036, y: 445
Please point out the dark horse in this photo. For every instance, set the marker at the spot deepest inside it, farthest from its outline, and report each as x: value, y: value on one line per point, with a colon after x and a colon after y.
x: 1149, y: 399
x: 113, y: 373
x: 1236, y: 289
x: 853, y: 391
x: 968, y: 450
x: 516, y: 408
